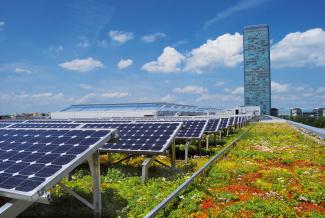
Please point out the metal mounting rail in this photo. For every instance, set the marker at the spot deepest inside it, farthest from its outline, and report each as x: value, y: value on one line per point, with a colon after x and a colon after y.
x: 162, y: 204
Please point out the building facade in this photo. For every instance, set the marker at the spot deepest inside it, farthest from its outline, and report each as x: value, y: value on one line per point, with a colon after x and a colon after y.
x: 257, y: 74
x: 319, y: 112
x: 295, y: 112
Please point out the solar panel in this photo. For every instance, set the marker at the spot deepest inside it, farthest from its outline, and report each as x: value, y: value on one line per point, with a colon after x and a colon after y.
x: 45, y: 125
x: 102, y: 121
x: 231, y: 121
x: 48, y: 121
x: 3, y: 125
x: 223, y: 123
x: 192, y: 129
x: 142, y: 138
x: 213, y: 125
x: 33, y: 160
x: 12, y: 121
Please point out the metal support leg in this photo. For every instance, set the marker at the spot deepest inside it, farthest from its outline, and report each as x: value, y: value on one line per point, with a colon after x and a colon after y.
x: 109, y: 158
x: 186, y: 150
x: 199, y: 145
x: 94, y: 165
x: 214, y: 139
x: 227, y: 132
x: 14, y: 208
x: 173, y: 156
x: 145, y: 166
x: 207, y: 142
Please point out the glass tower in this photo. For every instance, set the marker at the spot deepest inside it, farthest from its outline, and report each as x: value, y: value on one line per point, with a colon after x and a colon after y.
x: 257, y: 87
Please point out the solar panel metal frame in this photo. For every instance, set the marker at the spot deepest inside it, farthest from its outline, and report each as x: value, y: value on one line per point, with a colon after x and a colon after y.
x: 163, y: 151
x: 56, y: 177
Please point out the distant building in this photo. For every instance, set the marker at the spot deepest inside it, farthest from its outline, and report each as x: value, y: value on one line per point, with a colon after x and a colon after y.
x: 309, y: 114
x: 274, y: 112
x: 95, y: 111
x: 257, y: 87
x: 295, y: 112
x: 248, y: 110
x: 319, y: 112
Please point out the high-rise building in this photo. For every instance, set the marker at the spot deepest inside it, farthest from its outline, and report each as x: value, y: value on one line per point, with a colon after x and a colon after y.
x: 257, y: 88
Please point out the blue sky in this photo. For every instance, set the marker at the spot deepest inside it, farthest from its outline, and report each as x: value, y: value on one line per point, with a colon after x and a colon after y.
x: 57, y: 53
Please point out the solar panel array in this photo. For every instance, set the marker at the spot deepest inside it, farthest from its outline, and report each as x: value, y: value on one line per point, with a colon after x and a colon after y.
x: 102, y: 121
x: 191, y: 129
x: 213, y: 125
x: 31, y: 158
x: 140, y: 137
x: 45, y: 125
x: 48, y: 121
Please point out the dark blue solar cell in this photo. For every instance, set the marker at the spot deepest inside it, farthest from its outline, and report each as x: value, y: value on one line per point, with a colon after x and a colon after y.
x: 48, y: 158
x: 16, y: 167
x: 89, y: 141
x: 11, y: 182
x: 77, y: 150
x: 19, y: 156
x: 32, y: 169
x: 61, y: 149
x: 61, y: 140
x: 64, y: 159
x: 33, y: 157
x: 48, y: 171
x: 30, y: 184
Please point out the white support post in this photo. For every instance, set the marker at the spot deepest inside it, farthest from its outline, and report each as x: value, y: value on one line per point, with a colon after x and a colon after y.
x: 145, y: 167
x: 186, y: 150
x: 173, y: 155
x: 214, y: 139
x: 207, y: 141
x: 13, y: 208
x: 94, y: 165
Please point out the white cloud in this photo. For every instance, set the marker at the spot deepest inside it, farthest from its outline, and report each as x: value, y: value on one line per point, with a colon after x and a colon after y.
x: 153, y: 37
x: 168, y: 62
x: 83, y: 42
x: 55, y: 49
x: 278, y: 87
x: 22, y: 70
x: 82, y: 65
x: 124, y: 63
x: 190, y: 90
x: 321, y: 89
x: 168, y: 98
x: 87, y: 98
x: 115, y: 95
x: 24, y: 96
x: 225, y: 50
x: 120, y: 37
x: 85, y: 86
x: 102, y: 43
x: 300, y: 49
x: 218, y: 84
x: 238, y: 90
x: 240, y: 6
x: 2, y: 25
